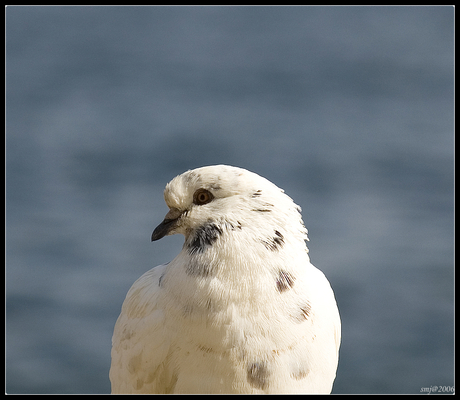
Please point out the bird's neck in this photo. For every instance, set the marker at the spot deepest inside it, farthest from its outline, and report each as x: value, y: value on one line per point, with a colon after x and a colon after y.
x: 227, y: 271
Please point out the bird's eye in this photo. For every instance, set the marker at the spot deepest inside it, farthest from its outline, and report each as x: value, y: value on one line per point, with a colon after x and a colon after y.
x: 202, y: 196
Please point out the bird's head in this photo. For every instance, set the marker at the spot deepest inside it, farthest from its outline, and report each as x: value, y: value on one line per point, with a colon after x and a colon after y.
x: 211, y: 199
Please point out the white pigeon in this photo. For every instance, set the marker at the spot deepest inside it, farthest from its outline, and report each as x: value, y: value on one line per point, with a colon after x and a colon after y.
x: 240, y: 309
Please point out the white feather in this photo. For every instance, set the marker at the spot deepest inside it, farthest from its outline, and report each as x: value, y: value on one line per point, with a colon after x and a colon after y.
x: 240, y: 310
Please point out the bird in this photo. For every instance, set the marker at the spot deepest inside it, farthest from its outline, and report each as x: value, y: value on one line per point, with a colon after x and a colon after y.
x: 240, y: 309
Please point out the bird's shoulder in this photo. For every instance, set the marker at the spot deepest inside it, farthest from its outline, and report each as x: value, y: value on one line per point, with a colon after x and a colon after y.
x: 142, y: 298
x: 140, y: 344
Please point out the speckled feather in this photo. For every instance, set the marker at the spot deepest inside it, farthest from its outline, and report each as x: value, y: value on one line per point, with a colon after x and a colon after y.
x: 240, y: 309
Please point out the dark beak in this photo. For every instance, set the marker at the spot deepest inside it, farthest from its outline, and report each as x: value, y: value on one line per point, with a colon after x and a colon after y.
x: 163, y: 229
x: 169, y: 223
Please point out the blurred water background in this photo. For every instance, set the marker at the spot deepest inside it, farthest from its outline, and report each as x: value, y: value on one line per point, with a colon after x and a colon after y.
x: 349, y: 109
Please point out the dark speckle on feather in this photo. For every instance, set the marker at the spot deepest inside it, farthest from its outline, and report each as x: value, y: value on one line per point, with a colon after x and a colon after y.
x: 195, y: 268
x: 231, y: 226
x: 161, y: 279
x: 258, y: 374
x: 204, y: 236
x: 263, y: 207
x: 274, y: 243
x: 304, y: 313
x: 301, y: 374
x: 285, y: 281
x: 305, y: 310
